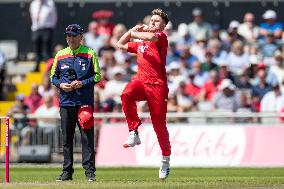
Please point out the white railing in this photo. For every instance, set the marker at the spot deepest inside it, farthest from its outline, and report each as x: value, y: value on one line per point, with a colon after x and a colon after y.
x: 134, y: 1
x: 178, y: 115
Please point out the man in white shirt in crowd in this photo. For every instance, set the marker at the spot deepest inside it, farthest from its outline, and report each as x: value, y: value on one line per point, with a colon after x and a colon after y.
x: 115, y: 85
x: 46, y: 115
x: 272, y: 101
x: 277, y: 69
x: 248, y: 29
x: 199, y: 26
x: 43, y: 17
x: 92, y: 39
x: 238, y: 59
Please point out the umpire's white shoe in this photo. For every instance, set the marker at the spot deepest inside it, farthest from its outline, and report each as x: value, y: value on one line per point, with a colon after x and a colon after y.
x: 164, y: 168
x: 132, y: 140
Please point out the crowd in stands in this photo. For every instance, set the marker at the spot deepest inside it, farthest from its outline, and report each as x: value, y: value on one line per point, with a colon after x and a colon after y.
x: 233, y: 69
x: 209, y: 69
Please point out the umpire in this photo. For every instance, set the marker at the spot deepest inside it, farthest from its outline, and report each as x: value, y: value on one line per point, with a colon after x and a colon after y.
x: 75, y: 71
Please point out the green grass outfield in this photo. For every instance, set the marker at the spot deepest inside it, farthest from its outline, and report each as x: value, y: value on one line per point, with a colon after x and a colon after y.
x: 147, y: 178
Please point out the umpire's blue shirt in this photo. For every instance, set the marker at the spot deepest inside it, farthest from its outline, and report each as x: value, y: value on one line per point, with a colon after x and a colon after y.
x: 70, y: 65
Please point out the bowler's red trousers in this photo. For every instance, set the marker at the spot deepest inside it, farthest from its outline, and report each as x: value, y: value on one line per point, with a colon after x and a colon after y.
x: 156, y: 96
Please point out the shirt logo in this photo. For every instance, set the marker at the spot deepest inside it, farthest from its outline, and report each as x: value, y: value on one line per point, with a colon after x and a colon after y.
x: 142, y: 48
x: 63, y: 66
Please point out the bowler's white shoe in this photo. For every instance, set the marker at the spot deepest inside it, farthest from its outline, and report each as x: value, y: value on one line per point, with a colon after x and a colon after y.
x: 132, y: 140
x: 164, y: 168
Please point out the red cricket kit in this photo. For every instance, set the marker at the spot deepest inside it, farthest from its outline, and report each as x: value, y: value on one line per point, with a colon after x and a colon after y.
x: 150, y: 84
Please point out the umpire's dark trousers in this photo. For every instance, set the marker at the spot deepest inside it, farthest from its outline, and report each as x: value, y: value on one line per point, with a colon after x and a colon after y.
x: 69, y: 119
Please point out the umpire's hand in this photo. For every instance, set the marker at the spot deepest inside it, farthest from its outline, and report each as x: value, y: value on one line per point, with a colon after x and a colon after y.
x: 66, y: 87
x: 76, y: 84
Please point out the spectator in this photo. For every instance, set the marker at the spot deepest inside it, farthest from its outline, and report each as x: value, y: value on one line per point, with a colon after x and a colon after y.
x: 184, y: 101
x: 47, y: 121
x: 34, y: 100
x: 115, y: 85
x: 270, y: 25
x: 107, y: 48
x: 118, y: 31
x: 105, y: 26
x: 227, y: 99
x: 92, y: 39
x: 267, y: 46
x: 244, y: 107
x: 225, y: 73
x: 248, y: 30
x: 146, y: 20
x: 209, y: 63
x: 277, y: 69
x: 130, y: 68
x: 198, y: 48
x: 45, y: 88
x: 199, y: 26
x: 243, y: 82
x: 174, y: 76
x: 219, y: 55
x: 192, y: 89
x: 215, y: 32
x: 173, y: 54
x: 200, y: 77
x: 184, y: 38
x: 172, y: 106
x: 107, y: 61
x: 21, y: 109
x: 259, y: 90
x: 49, y: 62
x: 254, y: 58
x: 210, y: 87
x: 119, y: 55
x: 184, y: 65
x: 172, y: 35
x: 237, y: 59
x: 55, y: 95
x: 233, y: 32
x: 44, y: 17
x: 189, y: 58
x: 101, y: 84
x: 108, y: 104
x: 269, y: 77
x: 272, y: 101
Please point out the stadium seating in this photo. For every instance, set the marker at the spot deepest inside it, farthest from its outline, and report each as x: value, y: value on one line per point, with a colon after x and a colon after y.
x: 24, y: 87
x: 34, y: 77
x: 5, y: 106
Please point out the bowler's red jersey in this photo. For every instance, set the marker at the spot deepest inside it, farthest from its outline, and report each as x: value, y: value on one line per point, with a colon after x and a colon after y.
x: 151, y: 59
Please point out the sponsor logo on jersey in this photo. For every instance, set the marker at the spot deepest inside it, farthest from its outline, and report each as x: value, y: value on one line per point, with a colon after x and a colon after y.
x: 63, y: 66
x: 142, y: 48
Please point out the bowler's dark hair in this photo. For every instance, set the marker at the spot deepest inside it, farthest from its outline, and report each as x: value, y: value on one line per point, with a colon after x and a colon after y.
x: 162, y: 14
